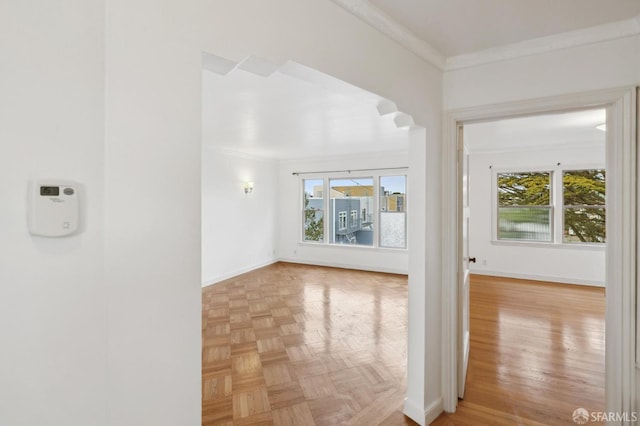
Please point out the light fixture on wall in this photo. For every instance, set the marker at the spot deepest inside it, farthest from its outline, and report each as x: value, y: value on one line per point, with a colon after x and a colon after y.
x: 248, y: 187
x: 602, y: 127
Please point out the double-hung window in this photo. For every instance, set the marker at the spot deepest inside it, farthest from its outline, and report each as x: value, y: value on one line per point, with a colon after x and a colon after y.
x: 529, y: 210
x: 313, y: 210
x: 584, y: 206
x: 524, y: 206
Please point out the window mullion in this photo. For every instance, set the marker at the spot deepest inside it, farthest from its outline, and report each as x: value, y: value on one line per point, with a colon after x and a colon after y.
x: 557, y: 206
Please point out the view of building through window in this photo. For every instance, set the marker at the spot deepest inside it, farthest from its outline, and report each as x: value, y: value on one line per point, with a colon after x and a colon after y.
x: 393, y: 217
x: 352, y: 211
x: 347, y: 195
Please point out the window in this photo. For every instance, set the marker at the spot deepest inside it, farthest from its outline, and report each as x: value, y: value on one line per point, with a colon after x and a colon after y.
x: 524, y: 206
x: 342, y: 221
x: 526, y: 210
x: 353, y: 195
x: 369, y: 211
x: 393, y: 219
x: 354, y: 218
x: 584, y: 206
x: 313, y: 214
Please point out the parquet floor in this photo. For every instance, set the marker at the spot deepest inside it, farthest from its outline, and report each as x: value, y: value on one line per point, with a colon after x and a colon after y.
x: 302, y: 345
x: 536, y: 353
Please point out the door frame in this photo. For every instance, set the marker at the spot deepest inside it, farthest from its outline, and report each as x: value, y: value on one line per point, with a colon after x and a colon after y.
x: 621, y: 257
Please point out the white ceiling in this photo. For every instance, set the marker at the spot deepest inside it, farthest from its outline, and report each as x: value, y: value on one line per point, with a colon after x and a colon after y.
x: 285, y: 117
x: 456, y: 27
x: 573, y: 129
x: 296, y: 112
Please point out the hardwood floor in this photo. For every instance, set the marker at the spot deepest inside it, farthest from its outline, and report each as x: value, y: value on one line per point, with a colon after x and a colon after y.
x: 536, y: 354
x: 302, y: 345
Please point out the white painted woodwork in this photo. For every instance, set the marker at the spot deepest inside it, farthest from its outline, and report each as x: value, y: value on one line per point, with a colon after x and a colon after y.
x: 456, y: 30
x: 464, y: 263
x: 621, y: 250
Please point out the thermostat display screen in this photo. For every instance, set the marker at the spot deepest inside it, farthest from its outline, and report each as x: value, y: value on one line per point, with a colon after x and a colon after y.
x: 49, y: 191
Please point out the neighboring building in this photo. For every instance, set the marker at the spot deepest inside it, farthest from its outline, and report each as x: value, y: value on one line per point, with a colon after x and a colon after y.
x: 392, y: 202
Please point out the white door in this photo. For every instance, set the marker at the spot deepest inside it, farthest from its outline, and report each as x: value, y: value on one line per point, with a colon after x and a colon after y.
x: 463, y: 266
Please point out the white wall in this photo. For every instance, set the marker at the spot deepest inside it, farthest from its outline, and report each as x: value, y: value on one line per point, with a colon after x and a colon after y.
x: 565, y: 263
x: 290, y: 247
x: 595, y: 66
x: 239, y: 231
x: 153, y: 271
x: 52, y: 294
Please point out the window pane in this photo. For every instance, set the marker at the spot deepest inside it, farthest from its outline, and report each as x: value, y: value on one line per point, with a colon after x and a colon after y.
x: 524, y: 224
x: 584, y: 188
x: 347, y: 196
x: 584, y: 225
x: 393, y: 201
x: 524, y: 189
x: 313, y: 210
x: 580, y: 190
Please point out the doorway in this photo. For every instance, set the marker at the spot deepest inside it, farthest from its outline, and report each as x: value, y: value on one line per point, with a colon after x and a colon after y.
x: 620, y: 256
x: 534, y: 196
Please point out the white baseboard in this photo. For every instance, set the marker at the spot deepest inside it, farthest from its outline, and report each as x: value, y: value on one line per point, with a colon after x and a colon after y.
x: 423, y: 416
x: 561, y: 280
x: 214, y: 280
x: 433, y: 411
x: 210, y: 281
x: 344, y: 265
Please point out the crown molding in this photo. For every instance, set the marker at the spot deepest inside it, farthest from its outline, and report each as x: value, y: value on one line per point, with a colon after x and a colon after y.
x: 536, y: 46
x: 391, y: 28
x: 399, y: 33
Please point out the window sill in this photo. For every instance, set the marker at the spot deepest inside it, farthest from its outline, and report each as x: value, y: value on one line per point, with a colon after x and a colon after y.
x: 352, y: 247
x: 540, y: 244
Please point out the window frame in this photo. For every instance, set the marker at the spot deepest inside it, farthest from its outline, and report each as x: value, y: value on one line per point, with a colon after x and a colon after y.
x: 556, y: 200
x: 550, y: 207
x: 302, y: 213
x: 375, y: 175
x: 585, y: 206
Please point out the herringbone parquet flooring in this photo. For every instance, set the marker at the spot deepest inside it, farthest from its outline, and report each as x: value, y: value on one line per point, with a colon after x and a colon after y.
x: 303, y: 345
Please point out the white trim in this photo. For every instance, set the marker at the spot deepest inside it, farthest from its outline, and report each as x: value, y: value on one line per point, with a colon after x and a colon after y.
x: 550, y: 245
x: 375, y: 155
x: 536, y: 277
x: 537, y: 148
x: 392, y: 29
x: 382, y: 269
x: 621, y: 232
x: 422, y: 416
x: 409, y: 40
x: 223, y: 277
x: 536, y: 46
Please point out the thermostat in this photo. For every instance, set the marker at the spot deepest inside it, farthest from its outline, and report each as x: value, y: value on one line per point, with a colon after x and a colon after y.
x: 54, y: 208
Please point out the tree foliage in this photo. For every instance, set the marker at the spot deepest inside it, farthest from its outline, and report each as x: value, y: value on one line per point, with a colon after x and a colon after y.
x: 583, y: 196
x: 584, y: 193
x: 524, y: 189
x: 313, y: 225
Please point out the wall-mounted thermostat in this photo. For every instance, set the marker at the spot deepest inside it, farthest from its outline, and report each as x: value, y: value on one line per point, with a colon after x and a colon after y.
x: 54, y: 208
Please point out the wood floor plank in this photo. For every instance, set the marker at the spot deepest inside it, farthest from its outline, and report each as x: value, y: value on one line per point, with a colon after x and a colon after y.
x: 304, y: 345
x: 536, y: 353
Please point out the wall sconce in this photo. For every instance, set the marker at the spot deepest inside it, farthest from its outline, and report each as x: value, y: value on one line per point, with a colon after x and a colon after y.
x: 248, y: 187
